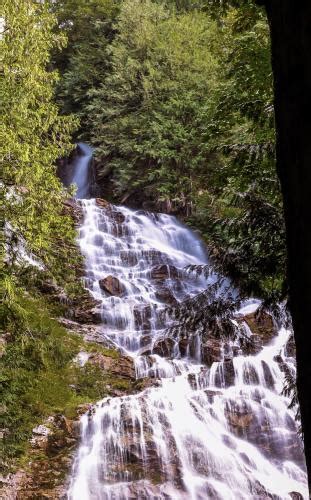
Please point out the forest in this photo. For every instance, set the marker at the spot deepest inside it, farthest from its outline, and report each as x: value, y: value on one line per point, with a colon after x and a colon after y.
x: 175, y: 285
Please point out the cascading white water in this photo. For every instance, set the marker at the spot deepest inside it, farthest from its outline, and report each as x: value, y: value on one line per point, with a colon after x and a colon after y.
x: 81, y: 170
x: 223, y: 432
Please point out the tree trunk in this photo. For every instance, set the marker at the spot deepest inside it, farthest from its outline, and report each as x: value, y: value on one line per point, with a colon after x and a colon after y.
x: 290, y: 25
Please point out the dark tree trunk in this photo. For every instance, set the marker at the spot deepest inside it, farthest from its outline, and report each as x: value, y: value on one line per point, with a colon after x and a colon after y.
x: 290, y: 25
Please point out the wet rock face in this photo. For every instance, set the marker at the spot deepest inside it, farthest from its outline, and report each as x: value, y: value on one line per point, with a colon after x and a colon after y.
x: 128, y: 258
x: 54, y: 441
x: 251, y: 422
x: 73, y: 209
x: 184, y: 344
x: 261, y: 325
x: 228, y: 373
x: 166, y: 295
x: 224, y: 375
x: 267, y: 375
x: 142, y: 317
x: 153, y: 257
x: 134, y: 462
x: 290, y: 348
x: 86, y: 310
x: 117, y: 218
x: 164, y: 347
x: 131, y: 462
x: 259, y: 492
x: 239, y: 417
x: 103, y: 203
x: 112, y: 286
x: 211, y: 351
x: 163, y: 272
x: 254, y: 345
x: 114, y: 214
x: 295, y: 496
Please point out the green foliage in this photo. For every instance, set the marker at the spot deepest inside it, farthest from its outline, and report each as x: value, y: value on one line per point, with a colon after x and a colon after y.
x: 33, y: 137
x: 84, y: 62
x: 240, y: 213
x: 184, y: 114
x: 38, y: 376
x: 147, y: 116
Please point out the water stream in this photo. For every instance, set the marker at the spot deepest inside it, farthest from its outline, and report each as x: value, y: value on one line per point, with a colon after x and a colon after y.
x: 197, y: 432
x: 80, y: 176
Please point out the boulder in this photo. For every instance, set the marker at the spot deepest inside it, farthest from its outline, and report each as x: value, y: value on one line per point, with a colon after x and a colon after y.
x: 112, y: 286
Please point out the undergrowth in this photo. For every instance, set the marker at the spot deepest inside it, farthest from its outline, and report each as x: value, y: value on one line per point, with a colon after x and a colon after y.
x: 38, y: 375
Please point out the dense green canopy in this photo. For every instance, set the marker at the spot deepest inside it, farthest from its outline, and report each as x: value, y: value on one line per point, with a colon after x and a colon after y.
x: 34, y: 134
x: 177, y: 99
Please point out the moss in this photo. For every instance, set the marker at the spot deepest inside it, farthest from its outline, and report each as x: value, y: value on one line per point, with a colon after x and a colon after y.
x: 111, y: 353
x: 121, y: 384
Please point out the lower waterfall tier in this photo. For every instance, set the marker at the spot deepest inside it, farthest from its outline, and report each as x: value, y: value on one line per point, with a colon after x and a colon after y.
x: 218, y: 429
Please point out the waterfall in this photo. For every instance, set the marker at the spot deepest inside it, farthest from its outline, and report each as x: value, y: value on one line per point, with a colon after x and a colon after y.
x: 80, y: 175
x: 222, y: 431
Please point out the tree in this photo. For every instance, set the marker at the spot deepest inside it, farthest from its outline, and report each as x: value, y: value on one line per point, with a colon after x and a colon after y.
x: 291, y: 46
x: 239, y: 207
x: 84, y: 62
x: 34, y: 136
x: 148, y: 114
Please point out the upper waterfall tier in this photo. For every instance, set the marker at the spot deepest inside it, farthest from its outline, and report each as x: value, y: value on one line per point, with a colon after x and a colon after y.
x: 213, y: 424
x: 135, y: 264
x: 81, y: 170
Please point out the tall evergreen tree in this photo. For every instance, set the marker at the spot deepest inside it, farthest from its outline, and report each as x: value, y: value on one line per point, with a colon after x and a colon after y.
x: 148, y: 114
